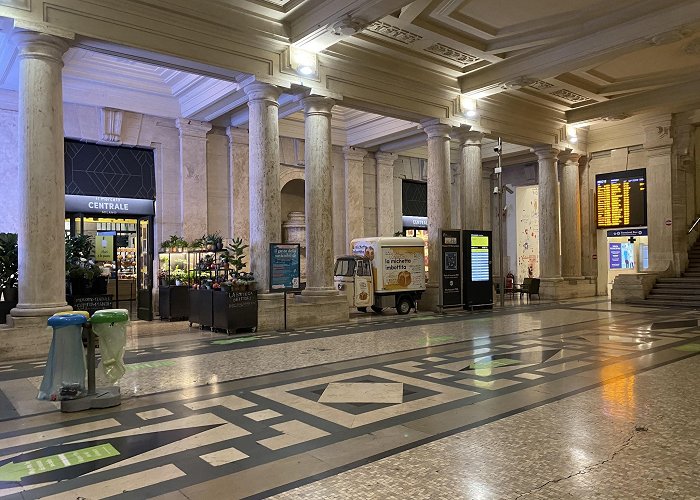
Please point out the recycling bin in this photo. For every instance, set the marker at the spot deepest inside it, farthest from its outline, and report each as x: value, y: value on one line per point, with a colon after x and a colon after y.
x: 64, y: 375
x: 110, y: 327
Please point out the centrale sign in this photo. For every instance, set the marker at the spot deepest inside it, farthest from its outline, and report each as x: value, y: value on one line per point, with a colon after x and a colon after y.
x: 108, y: 205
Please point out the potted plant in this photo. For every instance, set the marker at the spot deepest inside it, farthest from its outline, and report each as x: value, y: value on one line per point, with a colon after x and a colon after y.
x: 81, y: 270
x: 214, y: 242
x: 165, y: 246
x: 179, y: 276
x: 8, y: 266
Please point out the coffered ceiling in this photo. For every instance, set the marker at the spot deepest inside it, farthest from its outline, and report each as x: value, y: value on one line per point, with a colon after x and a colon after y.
x: 531, y: 66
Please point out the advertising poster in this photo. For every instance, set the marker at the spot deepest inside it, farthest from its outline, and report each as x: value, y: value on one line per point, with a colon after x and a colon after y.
x: 615, y: 253
x: 528, y: 227
x: 451, y: 280
x: 403, y: 268
x: 104, y: 248
x: 284, y: 267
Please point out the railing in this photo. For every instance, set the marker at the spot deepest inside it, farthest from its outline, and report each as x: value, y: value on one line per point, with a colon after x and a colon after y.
x: 697, y: 220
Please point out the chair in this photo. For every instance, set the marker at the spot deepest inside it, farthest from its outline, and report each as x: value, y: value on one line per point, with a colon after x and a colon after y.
x: 524, y: 287
x: 534, y: 288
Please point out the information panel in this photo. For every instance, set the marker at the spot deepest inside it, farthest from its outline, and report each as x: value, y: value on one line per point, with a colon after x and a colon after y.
x: 480, y: 257
x: 284, y: 267
x: 621, y: 199
x: 451, y: 269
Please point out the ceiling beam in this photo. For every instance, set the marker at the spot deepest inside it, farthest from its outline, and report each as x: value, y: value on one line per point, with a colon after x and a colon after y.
x: 584, y: 50
x: 682, y: 94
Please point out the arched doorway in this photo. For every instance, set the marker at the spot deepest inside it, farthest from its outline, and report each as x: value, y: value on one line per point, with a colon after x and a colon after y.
x: 292, y: 216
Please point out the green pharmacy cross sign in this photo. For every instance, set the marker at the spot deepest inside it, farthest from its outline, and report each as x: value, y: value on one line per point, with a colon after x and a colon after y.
x: 15, y: 472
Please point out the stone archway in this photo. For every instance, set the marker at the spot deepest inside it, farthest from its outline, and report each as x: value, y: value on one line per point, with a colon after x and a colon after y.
x: 292, y: 200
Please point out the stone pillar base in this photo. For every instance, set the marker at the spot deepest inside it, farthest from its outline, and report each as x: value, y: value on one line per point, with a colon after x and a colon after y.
x: 302, y: 311
x: 319, y: 292
x: 632, y: 287
x: 39, y: 312
x: 430, y: 299
x: 25, y: 338
x: 567, y: 288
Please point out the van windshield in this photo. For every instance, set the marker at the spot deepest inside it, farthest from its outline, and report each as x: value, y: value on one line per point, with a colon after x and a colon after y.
x: 345, y: 267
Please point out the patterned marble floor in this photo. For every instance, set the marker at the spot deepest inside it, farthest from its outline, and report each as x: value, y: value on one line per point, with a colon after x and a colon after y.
x: 532, y: 403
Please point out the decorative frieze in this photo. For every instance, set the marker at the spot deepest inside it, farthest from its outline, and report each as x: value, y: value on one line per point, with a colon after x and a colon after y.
x: 393, y: 32
x: 567, y: 95
x: 541, y: 85
x: 452, y: 54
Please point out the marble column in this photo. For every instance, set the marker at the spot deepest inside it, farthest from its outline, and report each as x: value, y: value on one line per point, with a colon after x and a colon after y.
x: 239, y: 184
x: 264, y: 178
x: 471, y: 187
x: 570, y: 218
x: 438, y: 192
x: 588, y: 239
x: 385, y: 193
x: 354, y: 194
x: 193, y: 172
x: 42, y: 290
x: 550, y: 262
x: 318, y: 196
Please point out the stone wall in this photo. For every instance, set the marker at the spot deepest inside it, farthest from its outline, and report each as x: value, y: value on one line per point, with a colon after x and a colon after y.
x: 9, y: 160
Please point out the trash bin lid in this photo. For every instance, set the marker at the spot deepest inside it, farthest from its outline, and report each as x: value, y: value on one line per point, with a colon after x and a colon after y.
x: 110, y: 316
x: 66, y: 320
x: 66, y: 313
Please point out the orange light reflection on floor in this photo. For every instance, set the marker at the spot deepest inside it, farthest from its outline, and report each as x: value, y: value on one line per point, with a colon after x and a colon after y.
x: 618, y: 394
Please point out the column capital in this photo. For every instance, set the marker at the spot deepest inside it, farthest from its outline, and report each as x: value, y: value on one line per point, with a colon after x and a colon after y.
x: 40, y: 45
x: 354, y: 154
x: 317, y: 105
x: 385, y: 159
x: 435, y: 128
x: 192, y: 128
x: 261, y: 91
x: 545, y: 152
x: 237, y: 135
x: 469, y: 137
x: 571, y: 158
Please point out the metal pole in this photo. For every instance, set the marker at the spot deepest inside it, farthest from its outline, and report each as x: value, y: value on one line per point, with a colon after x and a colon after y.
x: 502, y: 278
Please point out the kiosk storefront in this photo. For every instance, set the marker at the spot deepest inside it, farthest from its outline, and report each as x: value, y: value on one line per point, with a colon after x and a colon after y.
x: 111, y: 198
x: 415, y: 226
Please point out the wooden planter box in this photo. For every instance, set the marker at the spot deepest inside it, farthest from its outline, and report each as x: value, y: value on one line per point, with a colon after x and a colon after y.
x: 229, y: 311
x: 174, y: 302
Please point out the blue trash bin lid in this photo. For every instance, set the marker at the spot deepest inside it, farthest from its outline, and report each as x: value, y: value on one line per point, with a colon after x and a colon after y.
x: 66, y: 320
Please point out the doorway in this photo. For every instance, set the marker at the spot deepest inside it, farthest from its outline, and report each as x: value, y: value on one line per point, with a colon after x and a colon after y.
x: 123, y: 249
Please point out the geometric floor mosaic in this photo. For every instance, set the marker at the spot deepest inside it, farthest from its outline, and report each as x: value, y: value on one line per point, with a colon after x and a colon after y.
x: 337, y: 414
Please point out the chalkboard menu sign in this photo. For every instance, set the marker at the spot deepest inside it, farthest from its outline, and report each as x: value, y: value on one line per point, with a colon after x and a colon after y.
x: 621, y: 199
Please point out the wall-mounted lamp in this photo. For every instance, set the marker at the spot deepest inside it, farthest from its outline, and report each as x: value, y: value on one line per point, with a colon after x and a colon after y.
x: 572, y: 134
x: 303, y: 62
x: 469, y: 107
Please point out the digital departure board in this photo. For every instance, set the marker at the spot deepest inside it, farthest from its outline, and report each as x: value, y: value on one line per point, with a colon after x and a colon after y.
x: 621, y: 198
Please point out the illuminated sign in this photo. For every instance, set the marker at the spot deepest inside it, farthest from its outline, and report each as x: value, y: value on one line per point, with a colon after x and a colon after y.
x: 480, y: 257
x: 621, y: 199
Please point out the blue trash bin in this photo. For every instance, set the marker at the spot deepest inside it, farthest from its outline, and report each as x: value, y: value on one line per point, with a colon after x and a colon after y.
x: 64, y: 375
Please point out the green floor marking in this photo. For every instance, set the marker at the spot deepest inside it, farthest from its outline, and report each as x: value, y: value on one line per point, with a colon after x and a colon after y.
x: 494, y: 363
x: 694, y: 347
x: 423, y: 318
x: 437, y: 340
x: 149, y: 364
x: 14, y: 472
x: 235, y: 341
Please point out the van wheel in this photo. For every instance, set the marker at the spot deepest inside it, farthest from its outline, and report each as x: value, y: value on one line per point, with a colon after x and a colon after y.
x: 377, y: 309
x: 362, y: 309
x: 404, y: 305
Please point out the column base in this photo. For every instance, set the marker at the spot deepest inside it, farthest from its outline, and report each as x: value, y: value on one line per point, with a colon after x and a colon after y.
x: 24, y: 338
x: 430, y: 299
x: 38, y: 310
x: 319, y: 292
x: 567, y: 287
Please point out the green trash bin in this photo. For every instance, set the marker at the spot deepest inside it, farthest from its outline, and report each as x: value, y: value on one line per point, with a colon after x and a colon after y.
x: 64, y: 375
x: 110, y: 326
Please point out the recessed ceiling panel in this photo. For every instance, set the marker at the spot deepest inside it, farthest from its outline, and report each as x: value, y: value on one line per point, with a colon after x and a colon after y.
x: 650, y: 60
x: 508, y: 12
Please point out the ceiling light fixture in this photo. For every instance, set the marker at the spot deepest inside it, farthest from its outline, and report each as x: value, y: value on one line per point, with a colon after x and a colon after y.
x: 469, y: 107
x: 303, y: 62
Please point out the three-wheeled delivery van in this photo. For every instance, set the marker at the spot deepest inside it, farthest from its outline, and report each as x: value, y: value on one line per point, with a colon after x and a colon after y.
x: 382, y: 272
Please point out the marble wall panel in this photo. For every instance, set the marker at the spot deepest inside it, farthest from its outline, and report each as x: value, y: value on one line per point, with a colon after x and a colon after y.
x: 218, y: 200
x: 9, y: 161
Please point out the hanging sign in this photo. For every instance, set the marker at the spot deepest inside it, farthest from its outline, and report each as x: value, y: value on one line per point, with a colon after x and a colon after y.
x: 627, y: 232
x: 414, y: 222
